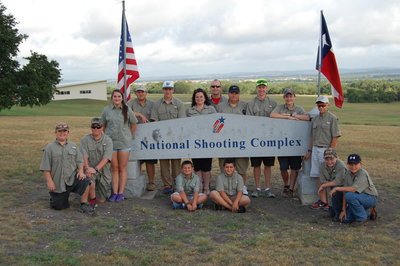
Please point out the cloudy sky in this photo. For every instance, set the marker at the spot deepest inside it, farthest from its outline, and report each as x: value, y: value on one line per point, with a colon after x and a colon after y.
x: 187, y: 37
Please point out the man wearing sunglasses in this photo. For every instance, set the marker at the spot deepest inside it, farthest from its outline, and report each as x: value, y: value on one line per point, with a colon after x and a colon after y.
x: 62, y: 167
x: 97, y: 151
x: 216, y: 93
x: 324, y: 134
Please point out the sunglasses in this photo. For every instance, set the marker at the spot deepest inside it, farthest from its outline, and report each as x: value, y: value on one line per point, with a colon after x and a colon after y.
x: 321, y: 105
x: 96, y: 127
x: 215, y: 86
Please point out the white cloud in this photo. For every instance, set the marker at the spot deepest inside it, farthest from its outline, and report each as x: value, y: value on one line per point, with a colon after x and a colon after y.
x: 183, y: 37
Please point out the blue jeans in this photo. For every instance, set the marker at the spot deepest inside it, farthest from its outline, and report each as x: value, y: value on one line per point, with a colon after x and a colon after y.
x: 358, y: 205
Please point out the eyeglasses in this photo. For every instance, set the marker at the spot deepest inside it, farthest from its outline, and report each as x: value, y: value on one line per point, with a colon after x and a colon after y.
x: 215, y: 86
x: 95, y: 127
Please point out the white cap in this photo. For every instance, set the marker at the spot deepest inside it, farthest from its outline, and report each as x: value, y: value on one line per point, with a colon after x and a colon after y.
x: 168, y: 84
x: 140, y: 88
x: 322, y: 99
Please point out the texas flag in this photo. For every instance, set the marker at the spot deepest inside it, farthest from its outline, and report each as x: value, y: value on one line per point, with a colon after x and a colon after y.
x: 328, y: 65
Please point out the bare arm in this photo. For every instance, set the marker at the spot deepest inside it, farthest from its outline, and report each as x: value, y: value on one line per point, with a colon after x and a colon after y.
x: 334, y: 142
x: 50, y: 183
x: 225, y: 197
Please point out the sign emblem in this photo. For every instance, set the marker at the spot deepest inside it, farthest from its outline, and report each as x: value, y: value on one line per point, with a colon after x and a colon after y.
x: 218, y: 125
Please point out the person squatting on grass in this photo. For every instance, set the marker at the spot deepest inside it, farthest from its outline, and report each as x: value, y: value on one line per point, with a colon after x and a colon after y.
x: 360, y: 195
x: 289, y: 110
x: 202, y: 166
x: 228, y: 191
x: 332, y: 173
x: 187, y: 189
x: 324, y: 134
x: 97, y: 149
x: 119, y: 123
x: 62, y: 167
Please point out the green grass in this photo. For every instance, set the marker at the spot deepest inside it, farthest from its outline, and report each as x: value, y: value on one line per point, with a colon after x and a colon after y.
x: 351, y: 113
x: 30, y: 234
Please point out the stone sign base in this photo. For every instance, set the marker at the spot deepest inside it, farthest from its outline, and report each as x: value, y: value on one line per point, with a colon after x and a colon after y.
x: 307, y: 187
x: 136, y: 185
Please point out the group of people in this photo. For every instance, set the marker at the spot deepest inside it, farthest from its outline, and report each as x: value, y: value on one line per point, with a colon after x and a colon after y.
x: 97, y: 169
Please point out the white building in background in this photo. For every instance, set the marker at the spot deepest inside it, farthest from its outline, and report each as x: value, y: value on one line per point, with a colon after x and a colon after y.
x: 96, y: 90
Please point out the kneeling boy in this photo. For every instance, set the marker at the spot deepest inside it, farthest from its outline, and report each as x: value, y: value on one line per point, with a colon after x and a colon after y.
x: 229, y: 189
x: 62, y: 167
x: 360, y: 194
x: 187, y: 189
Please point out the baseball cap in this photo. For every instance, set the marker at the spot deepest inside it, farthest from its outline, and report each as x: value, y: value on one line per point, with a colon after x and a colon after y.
x: 62, y: 127
x: 140, y: 88
x: 168, y: 84
x: 234, y: 89
x: 354, y: 158
x: 289, y: 90
x: 262, y: 82
x: 96, y: 120
x: 322, y: 99
x: 330, y: 153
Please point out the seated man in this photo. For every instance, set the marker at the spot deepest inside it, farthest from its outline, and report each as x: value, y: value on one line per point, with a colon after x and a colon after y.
x: 187, y: 189
x: 332, y: 173
x: 62, y: 167
x: 97, y: 150
x: 229, y: 190
x: 360, y: 194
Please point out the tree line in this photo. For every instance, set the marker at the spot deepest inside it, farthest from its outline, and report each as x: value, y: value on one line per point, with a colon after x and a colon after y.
x: 358, y: 91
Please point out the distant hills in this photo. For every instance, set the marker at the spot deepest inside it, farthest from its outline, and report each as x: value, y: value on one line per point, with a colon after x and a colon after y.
x: 346, y: 74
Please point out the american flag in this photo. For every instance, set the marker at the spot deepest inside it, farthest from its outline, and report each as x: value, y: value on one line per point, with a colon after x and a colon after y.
x: 127, y: 67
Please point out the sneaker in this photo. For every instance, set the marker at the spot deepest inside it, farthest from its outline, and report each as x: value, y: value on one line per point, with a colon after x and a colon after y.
x: 113, y: 197
x: 93, y: 203
x: 218, y: 207
x: 285, y: 192
x: 319, y: 204
x: 241, y: 209
x: 151, y: 187
x: 373, y: 214
x: 167, y: 190
x: 326, y: 207
x: 256, y: 193
x: 120, y: 198
x: 245, y: 192
x: 359, y: 223
x: 178, y: 205
x: 200, y: 206
x: 269, y: 194
x: 86, y: 208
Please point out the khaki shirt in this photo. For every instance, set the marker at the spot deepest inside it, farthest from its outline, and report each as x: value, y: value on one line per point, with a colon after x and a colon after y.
x: 223, y: 99
x: 324, y: 128
x: 239, y: 109
x: 283, y: 109
x: 193, y: 111
x: 361, y: 182
x: 230, y: 184
x: 96, y: 151
x: 116, y: 129
x: 61, y: 161
x: 189, y: 185
x: 256, y: 107
x: 165, y: 111
x: 335, y: 174
x: 145, y: 109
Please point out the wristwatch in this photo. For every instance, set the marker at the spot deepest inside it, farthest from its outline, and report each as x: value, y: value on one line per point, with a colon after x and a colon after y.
x: 97, y: 169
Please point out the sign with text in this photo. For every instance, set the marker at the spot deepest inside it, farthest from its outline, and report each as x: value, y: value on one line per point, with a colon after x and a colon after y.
x: 221, y: 136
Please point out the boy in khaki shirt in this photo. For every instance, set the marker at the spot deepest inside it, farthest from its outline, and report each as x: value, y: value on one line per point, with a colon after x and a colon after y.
x: 228, y: 191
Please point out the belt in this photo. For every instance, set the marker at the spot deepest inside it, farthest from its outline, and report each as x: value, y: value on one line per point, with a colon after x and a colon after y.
x: 320, y: 146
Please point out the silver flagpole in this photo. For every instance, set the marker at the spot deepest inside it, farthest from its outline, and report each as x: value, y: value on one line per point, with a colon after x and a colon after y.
x: 320, y: 57
x: 124, y: 30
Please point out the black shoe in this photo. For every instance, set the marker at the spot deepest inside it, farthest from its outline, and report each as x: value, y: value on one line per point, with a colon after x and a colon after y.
x: 373, y: 214
x: 218, y: 207
x: 241, y: 209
